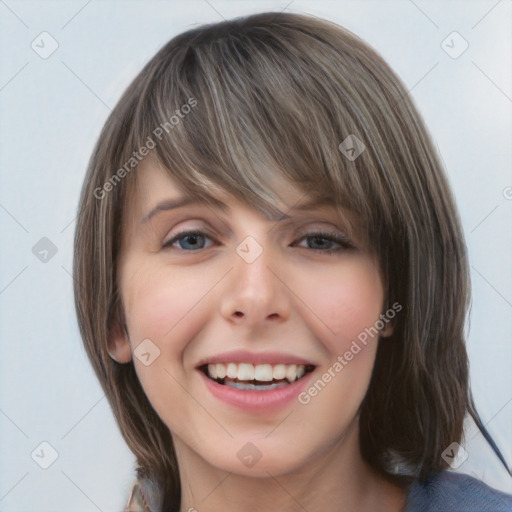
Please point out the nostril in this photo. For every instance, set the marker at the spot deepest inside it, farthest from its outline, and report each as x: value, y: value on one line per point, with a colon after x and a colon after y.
x: 238, y: 313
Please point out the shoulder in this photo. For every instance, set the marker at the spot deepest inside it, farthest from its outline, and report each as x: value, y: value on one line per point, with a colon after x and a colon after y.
x: 448, y: 491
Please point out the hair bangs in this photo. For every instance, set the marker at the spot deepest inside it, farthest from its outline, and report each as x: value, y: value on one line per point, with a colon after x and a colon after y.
x: 255, y: 121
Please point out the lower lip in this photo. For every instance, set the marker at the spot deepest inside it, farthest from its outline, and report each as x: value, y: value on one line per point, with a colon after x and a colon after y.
x: 257, y: 400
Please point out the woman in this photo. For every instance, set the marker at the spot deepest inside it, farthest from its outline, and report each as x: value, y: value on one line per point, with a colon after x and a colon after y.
x: 271, y: 280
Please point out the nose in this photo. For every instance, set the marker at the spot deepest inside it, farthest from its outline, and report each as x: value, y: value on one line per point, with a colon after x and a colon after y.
x: 255, y: 294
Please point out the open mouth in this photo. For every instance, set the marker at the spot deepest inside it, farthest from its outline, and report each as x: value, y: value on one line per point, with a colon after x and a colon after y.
x: 259, y: 377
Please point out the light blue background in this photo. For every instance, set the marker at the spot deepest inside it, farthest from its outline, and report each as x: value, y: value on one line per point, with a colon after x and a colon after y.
x: 51, y: 113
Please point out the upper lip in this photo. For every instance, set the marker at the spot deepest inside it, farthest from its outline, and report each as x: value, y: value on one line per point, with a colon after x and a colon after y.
x: 245, y: 356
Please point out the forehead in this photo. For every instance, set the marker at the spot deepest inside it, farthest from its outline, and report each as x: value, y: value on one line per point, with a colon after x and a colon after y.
x: 156, y: 190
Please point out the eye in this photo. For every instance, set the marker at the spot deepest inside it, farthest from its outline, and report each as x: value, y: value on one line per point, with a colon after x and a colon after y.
x: 192, y: 238
x: 323, y: 241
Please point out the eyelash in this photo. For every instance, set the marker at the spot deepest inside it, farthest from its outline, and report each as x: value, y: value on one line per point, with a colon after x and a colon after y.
x: 326, y: 235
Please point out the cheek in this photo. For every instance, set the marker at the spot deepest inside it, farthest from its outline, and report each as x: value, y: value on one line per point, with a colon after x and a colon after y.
x: 345, y: 300
x: 164, y: 307
x: 349, y: 299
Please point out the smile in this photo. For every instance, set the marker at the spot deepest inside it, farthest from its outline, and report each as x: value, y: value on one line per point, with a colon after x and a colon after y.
x: 260, y: 377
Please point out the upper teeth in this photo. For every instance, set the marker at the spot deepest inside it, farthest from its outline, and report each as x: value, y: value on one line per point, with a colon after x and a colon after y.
x: 261, y: 372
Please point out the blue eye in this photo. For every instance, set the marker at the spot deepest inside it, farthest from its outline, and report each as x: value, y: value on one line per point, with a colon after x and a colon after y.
x: 194, y: 240
x: 319, y: 239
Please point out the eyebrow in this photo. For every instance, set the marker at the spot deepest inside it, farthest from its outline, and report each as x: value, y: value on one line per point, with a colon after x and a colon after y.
x: 172, y: 204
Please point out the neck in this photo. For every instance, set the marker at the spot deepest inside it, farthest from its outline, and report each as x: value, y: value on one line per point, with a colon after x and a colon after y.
x: 336, y: 480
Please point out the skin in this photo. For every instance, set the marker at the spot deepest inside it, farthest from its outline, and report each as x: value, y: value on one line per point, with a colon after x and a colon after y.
x: 200, y: 298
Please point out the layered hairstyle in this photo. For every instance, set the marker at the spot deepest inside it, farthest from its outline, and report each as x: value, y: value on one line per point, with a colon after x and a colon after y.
x: 224, y: 105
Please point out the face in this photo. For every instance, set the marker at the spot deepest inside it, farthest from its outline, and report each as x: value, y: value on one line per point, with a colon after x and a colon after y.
x: 254, y: 339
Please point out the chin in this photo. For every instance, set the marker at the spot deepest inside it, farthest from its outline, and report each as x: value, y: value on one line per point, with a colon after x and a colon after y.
x: 257, y: 459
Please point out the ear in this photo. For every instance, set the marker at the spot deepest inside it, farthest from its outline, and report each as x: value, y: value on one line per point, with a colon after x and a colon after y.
x: 388, y: 330
x: 388, y: 319
x: 119, y: 344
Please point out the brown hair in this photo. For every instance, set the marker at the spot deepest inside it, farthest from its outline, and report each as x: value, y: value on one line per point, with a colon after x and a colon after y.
x: 277, y: 92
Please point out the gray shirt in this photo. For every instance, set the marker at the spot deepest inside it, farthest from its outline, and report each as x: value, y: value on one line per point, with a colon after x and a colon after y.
x: 456, y: 492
